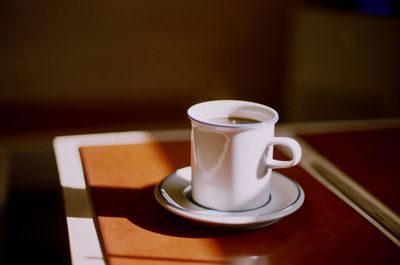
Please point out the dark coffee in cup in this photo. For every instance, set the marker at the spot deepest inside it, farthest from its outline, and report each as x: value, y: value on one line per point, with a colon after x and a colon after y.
x: 234, y: 120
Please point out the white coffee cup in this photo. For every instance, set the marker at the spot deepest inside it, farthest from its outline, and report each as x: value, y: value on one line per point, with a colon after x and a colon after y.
x: 232, y: 154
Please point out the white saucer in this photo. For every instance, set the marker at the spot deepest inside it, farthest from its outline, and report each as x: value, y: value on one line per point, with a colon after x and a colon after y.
x: 173, y: 193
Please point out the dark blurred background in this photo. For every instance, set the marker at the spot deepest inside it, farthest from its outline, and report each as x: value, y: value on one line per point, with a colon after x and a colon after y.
x: 87, y: 66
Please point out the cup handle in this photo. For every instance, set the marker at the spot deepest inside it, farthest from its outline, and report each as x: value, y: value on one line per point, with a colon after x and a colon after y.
x: 291, y: 144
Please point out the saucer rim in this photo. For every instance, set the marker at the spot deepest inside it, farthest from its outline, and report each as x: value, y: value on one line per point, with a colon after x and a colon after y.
x: 220, y: 218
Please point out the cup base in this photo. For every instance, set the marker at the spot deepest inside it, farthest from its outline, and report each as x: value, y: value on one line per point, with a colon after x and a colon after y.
x: 286, y: 198
x: 190, y: 197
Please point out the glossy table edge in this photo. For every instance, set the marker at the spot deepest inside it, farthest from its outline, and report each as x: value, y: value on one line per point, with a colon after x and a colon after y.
x: 83, y: 234
x: 341, y: 184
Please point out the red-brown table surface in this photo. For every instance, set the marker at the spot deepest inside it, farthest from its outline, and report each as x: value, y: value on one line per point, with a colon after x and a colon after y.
x: 370, y: 157
x: 135, y: 229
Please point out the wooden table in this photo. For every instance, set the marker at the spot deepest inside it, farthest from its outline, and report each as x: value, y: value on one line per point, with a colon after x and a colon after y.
x: 349, y: 173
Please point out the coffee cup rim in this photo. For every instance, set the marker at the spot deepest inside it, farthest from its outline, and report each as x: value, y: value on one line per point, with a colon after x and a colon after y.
x: 248, y: 109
